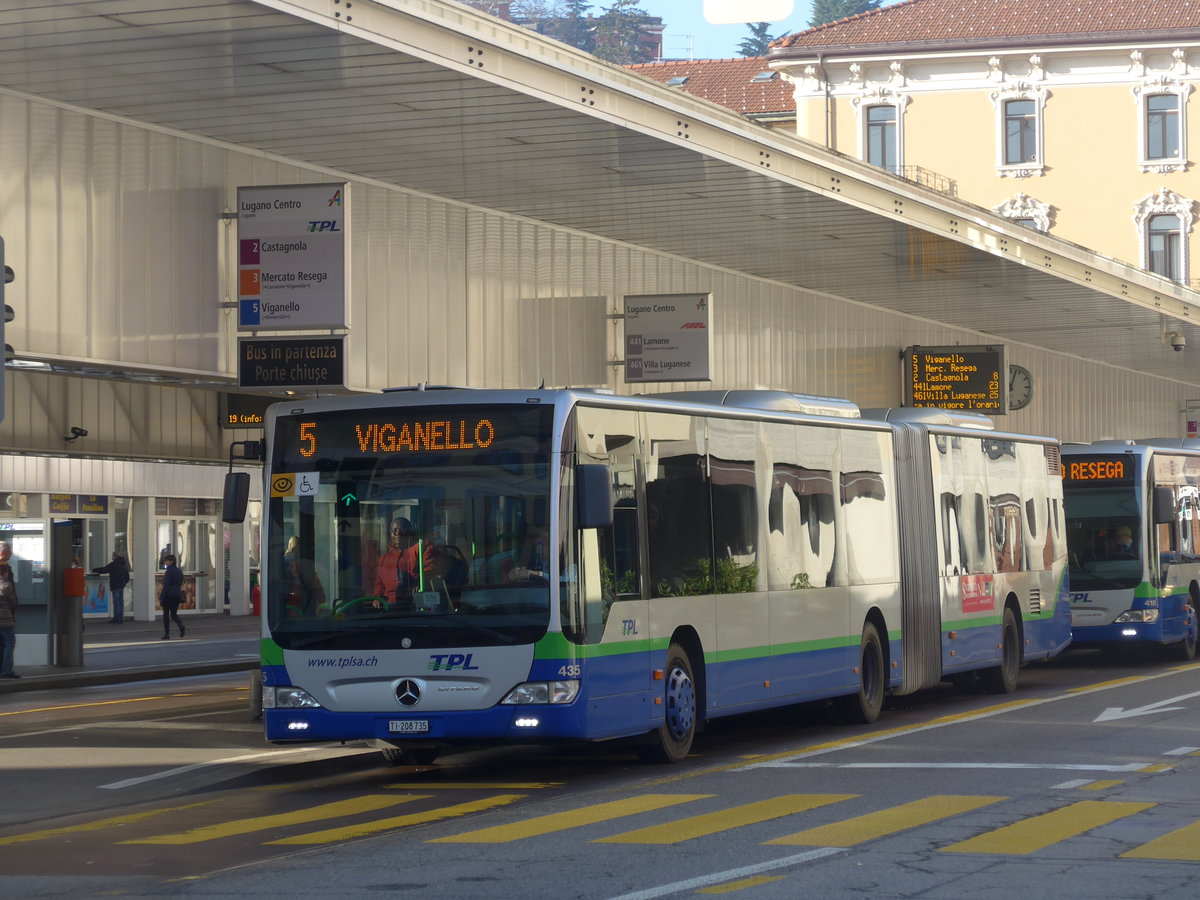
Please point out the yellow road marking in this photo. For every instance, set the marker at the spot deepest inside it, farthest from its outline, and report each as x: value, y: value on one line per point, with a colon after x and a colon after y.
x: 355, y: 831
x: 116, y: 821
x: 740, y: 885
x: 576, y: 818
x: 711, y: 823
x: 481, y: 785
x: 1041, y: 831
x: 1102, y: 785
x: 42, y: 709
x: 368, y: 803
x: 874, y: 825
x: 1157, y: 767
x: 1116, y: 682
x: 1181, y: 844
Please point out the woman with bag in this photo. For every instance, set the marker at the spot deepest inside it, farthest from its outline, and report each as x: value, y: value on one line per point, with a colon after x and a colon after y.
x: 171, y: 596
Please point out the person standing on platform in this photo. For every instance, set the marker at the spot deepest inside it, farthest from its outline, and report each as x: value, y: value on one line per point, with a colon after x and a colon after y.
x: 8, y: 622
x: 118, y: 576
x: 171, y: 596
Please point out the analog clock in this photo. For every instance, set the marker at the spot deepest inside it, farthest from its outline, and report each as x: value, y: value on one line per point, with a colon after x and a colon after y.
x: 1020, y: 387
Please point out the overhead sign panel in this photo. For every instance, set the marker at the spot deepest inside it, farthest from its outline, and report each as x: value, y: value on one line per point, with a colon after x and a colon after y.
x: 960, y: 378
x: 299, y: 362
x: 667, y: 337
x: 292, y: 247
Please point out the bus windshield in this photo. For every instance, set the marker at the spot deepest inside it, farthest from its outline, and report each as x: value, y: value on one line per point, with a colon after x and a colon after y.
x: 1103, y: 530
x: 416, y: 527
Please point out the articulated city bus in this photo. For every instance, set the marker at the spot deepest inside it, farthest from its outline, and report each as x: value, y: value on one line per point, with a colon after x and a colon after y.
x: 1134, y: 542
x: 451, y: 567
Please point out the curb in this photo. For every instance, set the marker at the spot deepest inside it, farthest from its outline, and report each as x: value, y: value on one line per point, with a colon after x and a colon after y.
x: 120, y: 676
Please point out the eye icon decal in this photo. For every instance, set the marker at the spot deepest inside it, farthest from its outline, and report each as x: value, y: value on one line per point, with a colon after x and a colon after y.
x: 283, y: 485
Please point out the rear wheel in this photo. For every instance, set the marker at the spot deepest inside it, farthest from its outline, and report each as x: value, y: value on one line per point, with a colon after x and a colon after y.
x: 671, y: 741
x: 410, y: 756
x: 1002, y: 679
x: 864, y: 707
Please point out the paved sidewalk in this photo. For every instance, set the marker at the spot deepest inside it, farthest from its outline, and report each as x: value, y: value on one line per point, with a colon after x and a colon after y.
x: 134, y: 651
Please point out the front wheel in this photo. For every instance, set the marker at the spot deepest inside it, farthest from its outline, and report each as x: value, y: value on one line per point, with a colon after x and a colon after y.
x: 410, y: 756
x: 1002, y: 679
x: 864, y: 707
x: 671, y: 741
x: 1186, y: 649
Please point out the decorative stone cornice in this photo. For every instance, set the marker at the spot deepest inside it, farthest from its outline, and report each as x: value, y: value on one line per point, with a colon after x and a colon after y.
x: 1022, y: 206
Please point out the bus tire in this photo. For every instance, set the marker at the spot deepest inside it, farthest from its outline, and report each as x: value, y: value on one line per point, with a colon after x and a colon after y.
x: 410, y: 756
x: 671, y: 741
x: 1186, y: 649
x: 864, y: 707
x: 1002, y: 679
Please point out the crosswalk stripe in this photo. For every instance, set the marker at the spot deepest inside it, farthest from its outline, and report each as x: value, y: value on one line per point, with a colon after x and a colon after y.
x: 860, y: 829
x: 332, y: 835
x: 735, y: 817
x: 576, y: 818
x: 99, y: 825
x: 368, y: 803
x: 1041, y: 831
x: 1181, y: 844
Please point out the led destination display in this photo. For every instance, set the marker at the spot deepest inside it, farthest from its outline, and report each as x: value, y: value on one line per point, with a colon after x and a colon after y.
x: 959, y: 378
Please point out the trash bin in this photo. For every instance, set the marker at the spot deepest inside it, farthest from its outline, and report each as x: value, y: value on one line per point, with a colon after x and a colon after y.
x: 68, y: 633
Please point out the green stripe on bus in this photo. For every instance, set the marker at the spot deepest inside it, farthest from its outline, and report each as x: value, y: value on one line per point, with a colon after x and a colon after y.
x: 271, y: 652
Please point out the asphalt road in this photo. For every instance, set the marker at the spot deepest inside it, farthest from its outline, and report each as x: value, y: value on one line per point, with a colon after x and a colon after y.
x: 1084, y: 783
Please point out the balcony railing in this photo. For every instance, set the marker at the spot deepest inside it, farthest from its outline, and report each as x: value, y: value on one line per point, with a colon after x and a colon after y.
x: 935, y: 181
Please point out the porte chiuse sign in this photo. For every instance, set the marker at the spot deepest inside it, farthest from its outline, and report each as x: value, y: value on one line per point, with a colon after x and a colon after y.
x: 968, y: 379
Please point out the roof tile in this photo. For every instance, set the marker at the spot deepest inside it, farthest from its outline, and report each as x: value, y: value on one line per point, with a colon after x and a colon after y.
x: 729, y: 82
x: 916, y: 21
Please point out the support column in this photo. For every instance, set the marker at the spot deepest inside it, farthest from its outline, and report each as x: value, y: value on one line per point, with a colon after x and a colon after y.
x: 144, y: 560
x: 239, y: 571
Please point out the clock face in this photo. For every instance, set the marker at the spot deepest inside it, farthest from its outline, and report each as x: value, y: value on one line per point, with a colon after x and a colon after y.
x: 1020, y: 387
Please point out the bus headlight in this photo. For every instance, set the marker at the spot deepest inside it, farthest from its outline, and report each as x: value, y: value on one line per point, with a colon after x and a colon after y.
x: 288, y: 698
x: 1145, y: 616
x: 542, y: 692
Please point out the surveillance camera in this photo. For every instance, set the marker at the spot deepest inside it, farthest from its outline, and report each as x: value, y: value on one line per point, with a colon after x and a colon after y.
x: 1178, y: 342
x: 78, y: 432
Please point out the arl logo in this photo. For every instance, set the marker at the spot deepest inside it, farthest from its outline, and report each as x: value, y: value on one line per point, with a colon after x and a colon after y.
x: 318, y: 225
x: 448, y: 662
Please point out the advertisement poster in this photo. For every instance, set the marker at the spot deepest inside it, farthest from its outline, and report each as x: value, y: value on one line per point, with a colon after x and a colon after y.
x: 977, y: 592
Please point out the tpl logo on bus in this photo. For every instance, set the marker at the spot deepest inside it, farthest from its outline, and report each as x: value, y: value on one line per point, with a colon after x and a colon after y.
x: 448, y: 662
x: 318, y: 225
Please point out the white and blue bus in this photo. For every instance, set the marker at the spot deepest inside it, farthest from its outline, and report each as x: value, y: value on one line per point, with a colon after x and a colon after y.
x: 451, y: 566
x: 1133, y: 533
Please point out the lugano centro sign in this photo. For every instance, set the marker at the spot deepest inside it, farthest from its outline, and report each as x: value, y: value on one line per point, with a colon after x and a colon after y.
x: 292, y: 243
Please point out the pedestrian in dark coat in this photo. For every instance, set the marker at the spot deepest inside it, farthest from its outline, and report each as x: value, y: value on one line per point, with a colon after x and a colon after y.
x: 118, y: 576
x: 8, y: 622
x: 171, y: 596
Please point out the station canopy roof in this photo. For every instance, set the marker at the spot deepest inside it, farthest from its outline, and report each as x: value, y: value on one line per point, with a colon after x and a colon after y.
x: 442, y: 99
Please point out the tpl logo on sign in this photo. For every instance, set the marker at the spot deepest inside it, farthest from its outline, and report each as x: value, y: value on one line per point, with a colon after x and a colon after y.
x: 328, y: 225
x: 448, y: 662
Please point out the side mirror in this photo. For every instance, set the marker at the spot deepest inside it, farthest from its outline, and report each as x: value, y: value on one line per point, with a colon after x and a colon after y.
x: 235, y: 498
x: 1164, y: 506
x: 593, y: 494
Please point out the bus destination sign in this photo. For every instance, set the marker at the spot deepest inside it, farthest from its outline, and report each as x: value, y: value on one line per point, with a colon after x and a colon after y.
x: 968, y: 379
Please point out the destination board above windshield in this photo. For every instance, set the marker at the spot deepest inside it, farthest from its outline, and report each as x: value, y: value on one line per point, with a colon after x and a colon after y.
x: 1098, y: 469
x: 411, y: 432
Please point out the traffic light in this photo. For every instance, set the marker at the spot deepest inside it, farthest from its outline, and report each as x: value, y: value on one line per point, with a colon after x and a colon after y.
x: 8, y: 317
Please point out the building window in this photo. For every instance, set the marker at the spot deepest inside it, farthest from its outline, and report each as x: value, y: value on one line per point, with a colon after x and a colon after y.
x: 1162, y: 126
x: 1164, y: 220
x: 881, y: 128
x: 881, y: 137
x: 1163, y: 247
x: 1162, y: 121
x: 1019, y: 130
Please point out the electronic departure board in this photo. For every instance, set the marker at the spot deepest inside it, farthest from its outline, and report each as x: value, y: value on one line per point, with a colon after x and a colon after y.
x: 969, y: 379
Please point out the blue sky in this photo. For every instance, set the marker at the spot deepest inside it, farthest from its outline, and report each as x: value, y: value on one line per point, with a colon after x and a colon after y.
x: 689, y: 35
